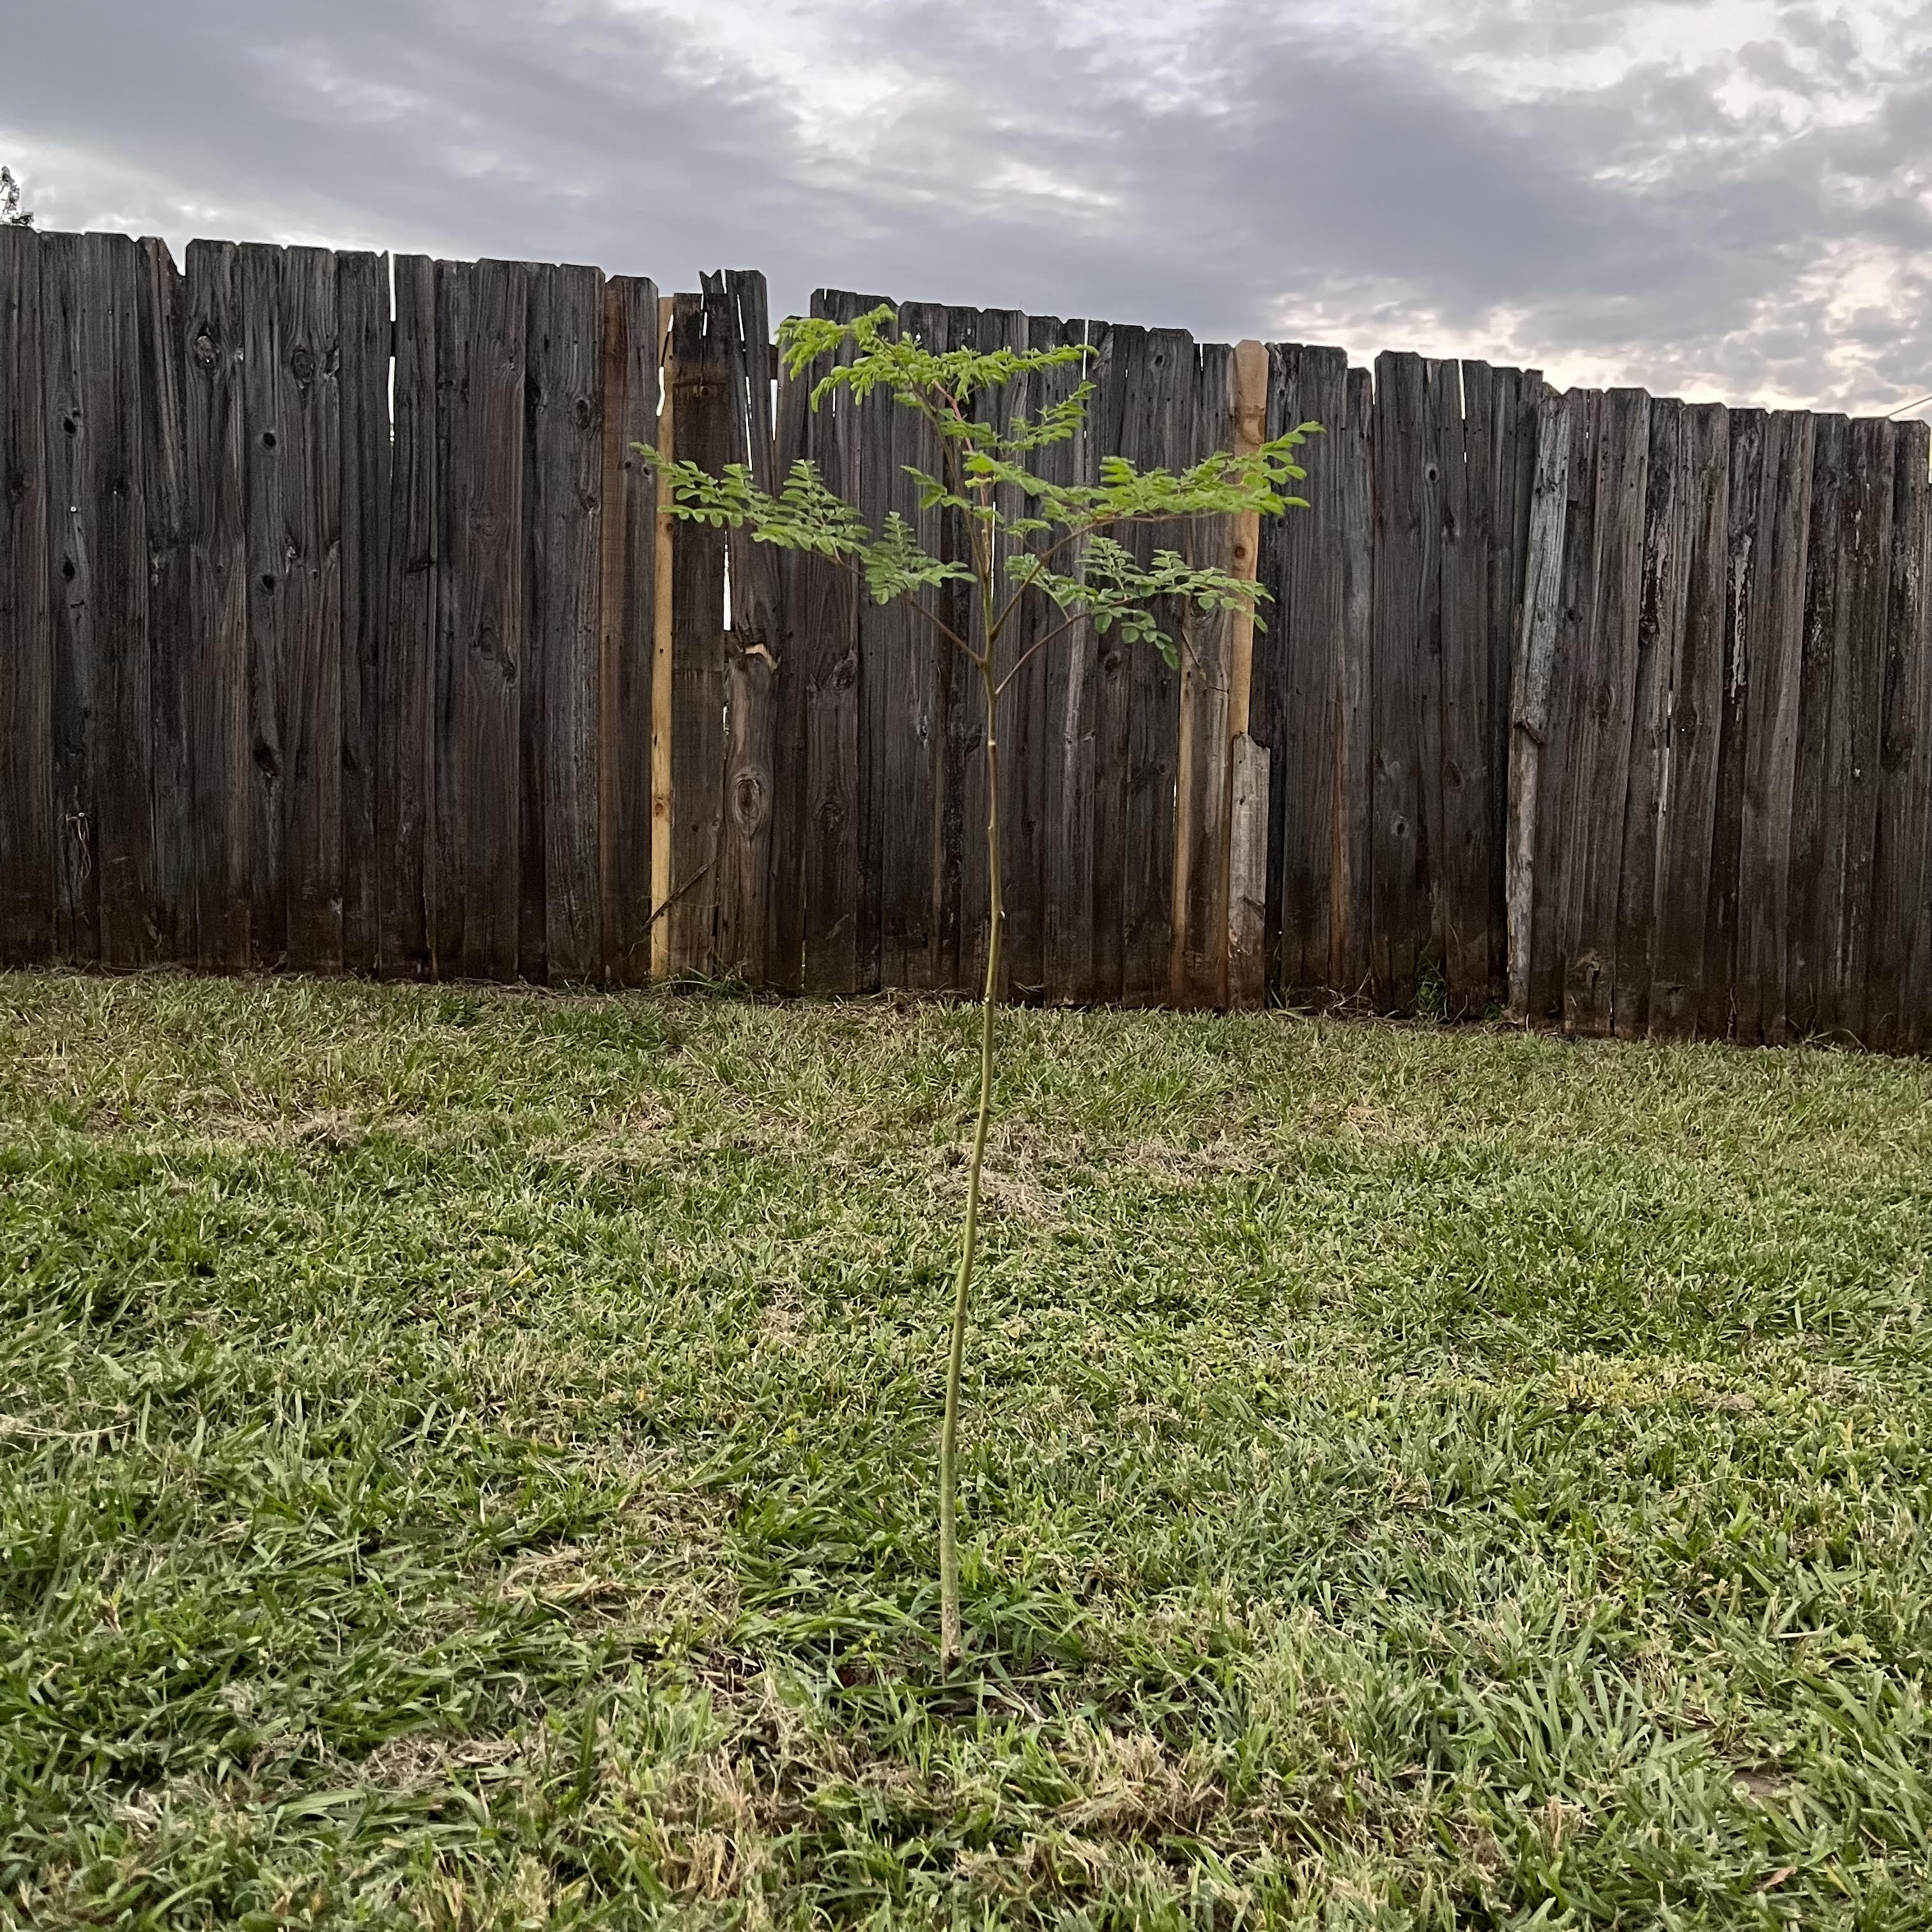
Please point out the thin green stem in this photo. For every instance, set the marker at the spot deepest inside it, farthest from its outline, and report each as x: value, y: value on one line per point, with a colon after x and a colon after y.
x: 949, y: 1644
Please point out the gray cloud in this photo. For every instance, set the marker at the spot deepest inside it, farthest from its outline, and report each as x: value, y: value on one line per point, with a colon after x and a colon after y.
x: 1715, y: 197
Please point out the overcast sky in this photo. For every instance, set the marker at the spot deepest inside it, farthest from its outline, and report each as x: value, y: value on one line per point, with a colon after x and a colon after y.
x: 1727, y: 199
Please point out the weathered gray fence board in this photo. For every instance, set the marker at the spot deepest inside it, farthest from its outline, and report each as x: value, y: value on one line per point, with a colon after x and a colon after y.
x: 1406, y: 660
x: 1693, y: 633
x: 407, y: 798
x: 1156, y: 431
x: 1070, y: 682
x: 1911, y: 619
x: 823, y: 610
x: 363, y: 330
x: 268, y: 562
x: 1659, y: 620
x: 1350, y: 903
x: 1817, y: 821
x: 171, y: 671
x: 1198, y: 960
x: 1858, y: 717
x: 1297, y: 706
x: 27, y: 829
x: 565, y: 435
x: 1905, y: 748
x: 755, y: 637
x: 1770, y: 522
x: 309, y: 352
x: 628, y: 621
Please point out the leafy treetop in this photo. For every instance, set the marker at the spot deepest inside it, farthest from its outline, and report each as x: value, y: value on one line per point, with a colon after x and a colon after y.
x: 1058, y: 545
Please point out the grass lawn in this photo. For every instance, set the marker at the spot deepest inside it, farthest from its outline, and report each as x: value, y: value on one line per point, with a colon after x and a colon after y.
x: 465, y: 1460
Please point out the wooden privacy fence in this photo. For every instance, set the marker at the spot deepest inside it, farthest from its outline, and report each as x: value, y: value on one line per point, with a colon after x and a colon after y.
x: 339, y: 630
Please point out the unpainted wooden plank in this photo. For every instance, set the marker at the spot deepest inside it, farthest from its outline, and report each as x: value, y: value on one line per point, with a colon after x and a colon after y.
x: 664, y: 605
x: 97, y: 548
x: 1028, y: 732
x: 1197, y: 962
x: 1905, y: 749
x: 1911, y: 618
x: 753, y: 642
x: 364, y: 331
x: 785, y: 964
x: 310, y: 349
x: 481, y: 600
x: 1559, y: 849
x: 1296, y: 704
x: 824, y: 611
x: 1771, y: 480
x: 171, y: 668
x: 1352, y: 872
x: 564, y: 433
x: 628, y: 537
x: 27, y: 825
x: 1247, y: 875
x: 1157, y: 430
x: 900, y: 684
x: 1404, y: 677
x: 1817, y: 823
x: 1660, y: 621
x: 993, y: 329
x: 1687, y: 615
x: 1853, y: 778
x: 406, y: 798
x: 1463, y: 856
x: 1069, y: 680
x: 1117, y: 373
x: 215, y: 468
x: 1532, y: 685
x: 1515, y: 399
x: 1601, y: 717
x: 269, y: 560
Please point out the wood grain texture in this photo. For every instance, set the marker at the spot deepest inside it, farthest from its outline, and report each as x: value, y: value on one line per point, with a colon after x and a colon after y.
x: 308, y: 347
x: 1854, y: 772
x: 216, y: 468
x: 364, y: 332
x: 785, y: 968
x: 1532, y: 686
x: 564, y: 433
x: 900, y: 683
x: 27, y: 822
x: 1893, y: 1022
x: 1246, y: 988
x: 1604, y: 695
x: 1770, y: 478
x: 1197, y: 962
x: 823, y: 606
x: 1516, y: 398
x: 1466, y: 905
x: 1558, y: 853
x: 1405, y: 695
x: 1912, y: 619
x: 1817, y: 821
x: 172, y: 670
x: 1157, y: 430
x: 97, y: 539
x: 1660, y: 624
x: 706, y: 418
x: 406, y: 816
x: 1295, y: 704
x: 755, y: 639
x: 1070, y: 682
x: 1122, y: 351
x: 1351, y: 876
x: 1691, y: 630
x: 269, y: 558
